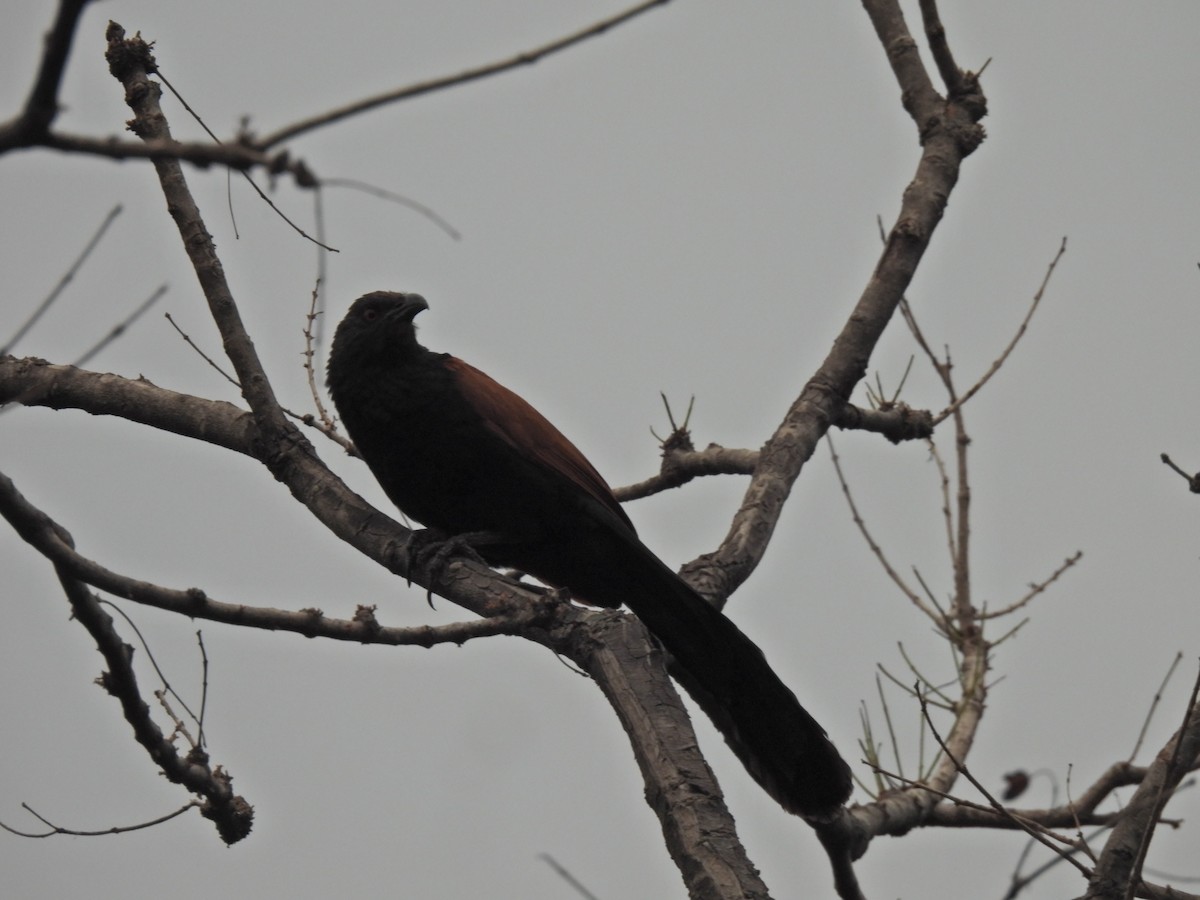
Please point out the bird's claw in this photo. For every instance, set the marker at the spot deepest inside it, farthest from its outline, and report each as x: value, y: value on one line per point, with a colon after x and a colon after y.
x: 432, y: 550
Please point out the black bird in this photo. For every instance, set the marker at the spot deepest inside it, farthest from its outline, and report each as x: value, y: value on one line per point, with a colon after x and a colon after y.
x: 464, y: 455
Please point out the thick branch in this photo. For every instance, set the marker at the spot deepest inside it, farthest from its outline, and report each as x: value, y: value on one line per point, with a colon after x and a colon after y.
x: 948, y: 132
x: 35, y: 382
x: 286, y: 453
x: 52, y: 541
x: 691, y: 810
x: 614, y: 648
x: 1117, y: 873
x: 680, y: 787
x: 130, y: 62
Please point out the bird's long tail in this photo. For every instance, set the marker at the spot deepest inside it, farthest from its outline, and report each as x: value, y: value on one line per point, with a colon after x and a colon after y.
x: 780, y: 744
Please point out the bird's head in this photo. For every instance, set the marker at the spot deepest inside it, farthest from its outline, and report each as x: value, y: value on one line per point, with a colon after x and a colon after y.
x: 377, y: 325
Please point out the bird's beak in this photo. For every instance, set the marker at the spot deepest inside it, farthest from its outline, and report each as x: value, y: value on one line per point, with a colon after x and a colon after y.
x: 409, y: 306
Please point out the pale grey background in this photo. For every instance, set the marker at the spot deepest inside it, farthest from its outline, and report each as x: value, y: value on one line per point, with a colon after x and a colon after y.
x: 687, y: 204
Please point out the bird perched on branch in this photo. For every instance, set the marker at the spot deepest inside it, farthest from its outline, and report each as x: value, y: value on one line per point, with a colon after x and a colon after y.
x: 470, y: 459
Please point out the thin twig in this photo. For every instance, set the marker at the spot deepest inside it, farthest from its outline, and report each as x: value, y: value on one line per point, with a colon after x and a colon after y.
x: 1084, y: 847
x: 120, y: 328
x: 1020, y: 882
x: 150, y: 656
x: 322, y: 261
x: 870, y: 750
x: 1026, y: 824
x: 74, y: 832
x: 310, y: 369
x: 887, y: 718
x: 945, y: 625
x: 250, y: 181
x: 325, y: 425
x: 1031, y: 829
x: 203, y: 687
x: 66, y: 279
x: 204, y: 356
x: 392, y: 196
x: 938, y: 689
x: 1137, y: 746
x: 567, y: 876
x: 529, y: 57
x: 996, y: 642
x: 1035, y: 588
x: 944, y: 484
x: 1192, y: 480
x: 877, y: 550
x: 180, y: 726
x: 1000, y: 360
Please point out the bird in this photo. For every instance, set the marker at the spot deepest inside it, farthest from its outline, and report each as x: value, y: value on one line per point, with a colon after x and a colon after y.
x: 468, y: 458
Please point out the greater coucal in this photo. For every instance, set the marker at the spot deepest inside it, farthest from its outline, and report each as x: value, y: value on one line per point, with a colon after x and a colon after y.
x: 467, y: 457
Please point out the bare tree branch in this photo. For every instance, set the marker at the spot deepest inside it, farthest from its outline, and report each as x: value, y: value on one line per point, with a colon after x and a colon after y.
x: 230, y: 812
x: 935, y: 34
x: 680, y: 787
x: 1118, y: 869
x: 119, y: 329
x: 679, y: 466
x: 935, y: 615
x: 49, y: 538
x: 1000, y: 360
x: 897, y: 422
x: 32, y: 126
x: 613, y: 649
x: 1155, y: 700
x: 35, y: 382
x: 1192, y: 480
x: 67, y: 277
x: 232, y: 815
x: 1081, y: 811
x: 130, y: 61
x: 529, y: 57
x: 236, y: 156
x: 76, y: 832
x: 41, y: 108
x: 270, y: 438
x: 1035, y: 832
x: 949, y: 132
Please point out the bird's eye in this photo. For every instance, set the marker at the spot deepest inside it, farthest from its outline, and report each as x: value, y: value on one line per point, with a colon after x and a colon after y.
x: 370, y: 314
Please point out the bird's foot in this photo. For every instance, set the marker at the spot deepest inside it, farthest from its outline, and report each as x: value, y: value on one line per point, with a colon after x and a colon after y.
x: 432, y: 550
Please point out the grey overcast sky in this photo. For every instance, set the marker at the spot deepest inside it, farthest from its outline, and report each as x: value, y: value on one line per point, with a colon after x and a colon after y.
x: 686, y: 204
